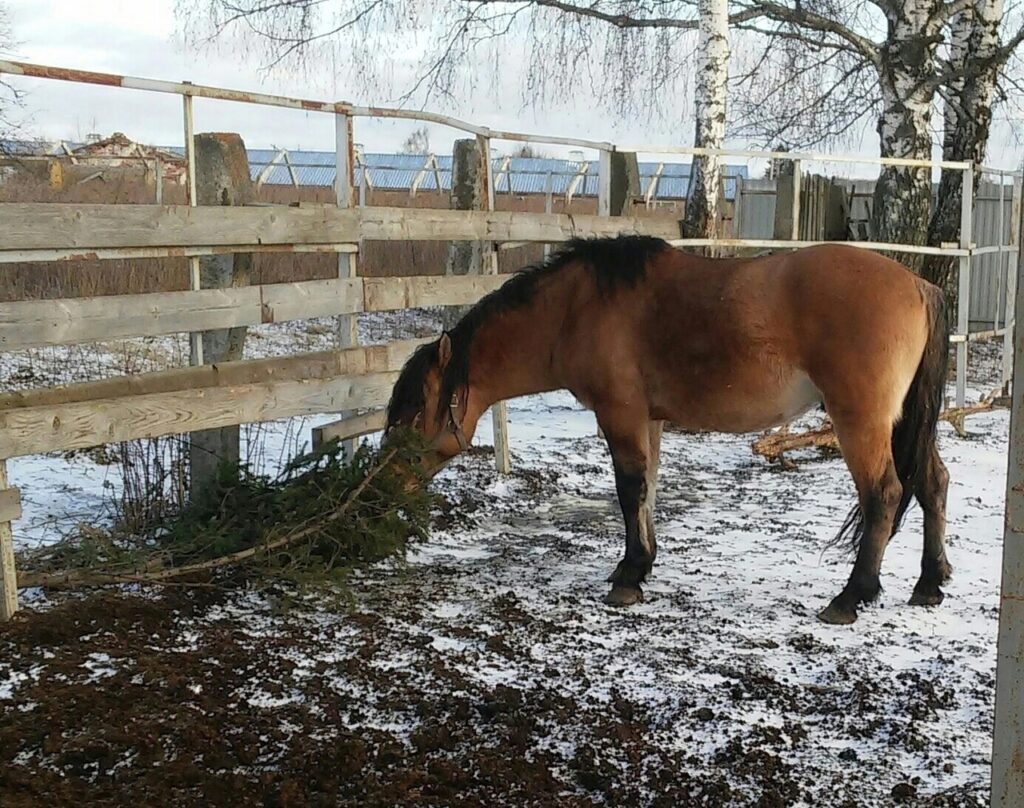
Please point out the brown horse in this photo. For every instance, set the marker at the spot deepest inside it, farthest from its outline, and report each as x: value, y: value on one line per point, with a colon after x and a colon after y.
x: 643, y: 333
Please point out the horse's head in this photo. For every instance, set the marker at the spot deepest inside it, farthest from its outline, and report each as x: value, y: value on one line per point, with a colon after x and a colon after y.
x: 431, y: 399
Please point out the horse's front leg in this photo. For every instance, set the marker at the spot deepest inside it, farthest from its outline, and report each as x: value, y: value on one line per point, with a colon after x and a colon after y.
x: 635, y: 449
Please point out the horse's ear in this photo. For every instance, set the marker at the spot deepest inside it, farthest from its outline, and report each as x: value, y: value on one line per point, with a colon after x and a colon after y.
x: 444, y: 350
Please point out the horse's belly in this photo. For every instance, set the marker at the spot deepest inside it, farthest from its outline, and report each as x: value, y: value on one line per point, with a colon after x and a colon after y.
x: 746, y: 407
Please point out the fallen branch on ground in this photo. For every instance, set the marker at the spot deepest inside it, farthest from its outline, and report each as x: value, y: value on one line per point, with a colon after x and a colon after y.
x: 774, y: 445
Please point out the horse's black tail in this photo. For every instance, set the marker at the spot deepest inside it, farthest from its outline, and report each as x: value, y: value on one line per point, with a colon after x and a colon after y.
x: 914, y: 434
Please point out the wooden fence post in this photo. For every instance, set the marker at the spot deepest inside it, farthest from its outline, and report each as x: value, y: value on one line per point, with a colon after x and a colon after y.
x: 787, y: 201
x: 222, y: 178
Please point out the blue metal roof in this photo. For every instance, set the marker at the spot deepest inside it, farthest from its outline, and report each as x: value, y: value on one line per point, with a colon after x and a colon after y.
x: 523, y: 175
x: 397, y: 172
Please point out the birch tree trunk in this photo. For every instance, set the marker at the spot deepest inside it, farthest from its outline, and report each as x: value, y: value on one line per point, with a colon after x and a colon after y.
x: 967, y: 116
x: 702, y: 202
x: 903, y: 198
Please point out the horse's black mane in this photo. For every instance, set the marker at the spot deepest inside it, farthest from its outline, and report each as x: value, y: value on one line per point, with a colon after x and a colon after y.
x: 615, y: 263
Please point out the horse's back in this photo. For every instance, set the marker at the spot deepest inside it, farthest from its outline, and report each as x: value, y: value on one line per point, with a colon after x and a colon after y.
x: 745, y: 344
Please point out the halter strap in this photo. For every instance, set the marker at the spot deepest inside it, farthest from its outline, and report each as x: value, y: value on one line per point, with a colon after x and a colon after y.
x: 455, y: 423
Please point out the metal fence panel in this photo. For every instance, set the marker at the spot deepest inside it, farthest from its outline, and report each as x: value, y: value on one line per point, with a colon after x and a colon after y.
x: 755, y: 208
x: 988, y: 272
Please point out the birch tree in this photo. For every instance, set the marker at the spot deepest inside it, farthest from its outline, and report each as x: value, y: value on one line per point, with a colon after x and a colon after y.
x: 816, y: 69
x: 930, y: 48
x: 902, y: 65
x: 702, y: 213
x: 635, y: 51
x: 967, y: 82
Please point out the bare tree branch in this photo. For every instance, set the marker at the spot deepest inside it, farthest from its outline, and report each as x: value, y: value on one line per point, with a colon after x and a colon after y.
x: 620, y: 20
x: 949, y: 10
x: 977, y: 67
x: 799, y: 16
x: 10, y: 96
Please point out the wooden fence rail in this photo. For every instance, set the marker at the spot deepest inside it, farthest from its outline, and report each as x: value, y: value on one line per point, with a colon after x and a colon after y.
x: 202, y: 397
x: 57, y: 230
x: 29, y: 324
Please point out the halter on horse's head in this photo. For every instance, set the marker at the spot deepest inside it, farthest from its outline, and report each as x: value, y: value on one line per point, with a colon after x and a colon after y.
x: 416, y: 401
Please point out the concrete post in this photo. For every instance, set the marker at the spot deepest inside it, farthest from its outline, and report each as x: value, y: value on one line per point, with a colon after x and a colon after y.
x: 469, y: 192
x: 222, y: 178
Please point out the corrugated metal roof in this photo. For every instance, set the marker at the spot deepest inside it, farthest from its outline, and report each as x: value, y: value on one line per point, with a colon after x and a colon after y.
x: 397, y: 172
x: 522, y: 175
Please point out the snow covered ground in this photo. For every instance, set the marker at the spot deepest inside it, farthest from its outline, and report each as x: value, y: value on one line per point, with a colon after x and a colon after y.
x: 723, y: 687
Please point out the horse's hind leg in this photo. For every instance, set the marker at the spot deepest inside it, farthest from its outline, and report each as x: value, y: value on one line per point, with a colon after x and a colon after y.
x: 867, y: 449
x: 634, y: 446
x: 651, y: 478
x: 935, y: 569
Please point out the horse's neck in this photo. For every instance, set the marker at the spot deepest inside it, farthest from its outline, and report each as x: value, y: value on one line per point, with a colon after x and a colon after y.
x: 511, y: 355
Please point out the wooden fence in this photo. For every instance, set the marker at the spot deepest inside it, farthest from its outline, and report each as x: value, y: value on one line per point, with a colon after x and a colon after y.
x: 231, y: 393
x: 351, y: 378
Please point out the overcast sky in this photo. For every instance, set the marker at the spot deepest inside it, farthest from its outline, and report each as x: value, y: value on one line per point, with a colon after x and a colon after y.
x: 138, y: 38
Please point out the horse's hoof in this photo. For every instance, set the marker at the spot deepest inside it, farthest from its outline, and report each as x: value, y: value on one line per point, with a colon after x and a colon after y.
x: 624, y: 596
x: 837, y: 616
x: 927, y: 598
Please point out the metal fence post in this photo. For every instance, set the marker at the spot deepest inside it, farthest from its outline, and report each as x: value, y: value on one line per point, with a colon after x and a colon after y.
x: 604, y: 184
x: 796, y: 200
x: 1013, y: 263
x: 963, y: 298
x: 1001, y: 256
x: 1008, y: 735
x: 604, y: 204
x: 548, y: 206
x: 499, y: 412
x: 195, y: 339
x: 348, y: 324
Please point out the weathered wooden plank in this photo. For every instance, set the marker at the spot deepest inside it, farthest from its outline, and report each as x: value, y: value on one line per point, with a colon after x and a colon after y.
x: 30, y: 323
x: 353, y: 427
x: 314, y: 366
x: 85, y: 228
x: 27, y: 324
x: 70, y: 255
x: 398, y: 224
x: 8, y: 572
x: 308, y: 299
x: 82, y: 424
x: 384, y: 294
x: 47, y: 225
x: 10, y: 504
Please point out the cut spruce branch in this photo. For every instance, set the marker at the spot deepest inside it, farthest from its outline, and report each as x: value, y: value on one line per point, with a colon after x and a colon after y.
x: 321, y: 515
x: 774, y: 445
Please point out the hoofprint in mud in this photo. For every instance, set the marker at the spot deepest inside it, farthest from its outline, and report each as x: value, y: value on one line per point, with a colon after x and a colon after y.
x: 721, y: 688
